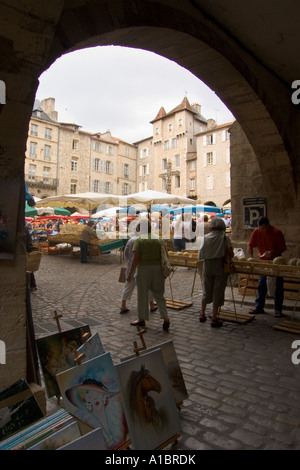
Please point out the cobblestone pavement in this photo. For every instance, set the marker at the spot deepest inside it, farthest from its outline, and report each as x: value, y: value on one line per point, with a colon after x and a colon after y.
x: 243, y: 387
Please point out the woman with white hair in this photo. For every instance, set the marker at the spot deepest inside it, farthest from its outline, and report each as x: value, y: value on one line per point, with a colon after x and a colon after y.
x: 214, y: 246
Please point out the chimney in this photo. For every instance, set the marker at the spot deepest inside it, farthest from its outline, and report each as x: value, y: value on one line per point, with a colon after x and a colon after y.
x: 197, y: 107
x: 48, y: 106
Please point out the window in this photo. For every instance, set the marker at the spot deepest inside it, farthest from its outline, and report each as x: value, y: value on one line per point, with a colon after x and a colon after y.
x: 97, y: 146
x: 227, y: 155
x: 126, y: 170
x: 209, y: 158
x: 225, y: 135
x: 193, y: 165
x: 163, y: 184
x: 110, y: 150
x: 47, y: 153
x: 177, y: 161
x: 125, y: 189
x: 46, y: 174
x: 166, y: 145
x: 210, y: 139
x: 177, y: 181
x: 74, y: 165
x: 96, y: 186
x: 228, y: 181
x: 32, y: 149
x: 209, y: 182
x: 164, y: 164
x: 108, y: 187
x: 48, y: 133
x: 31, y: 172
x: 192, y: 184
x: 33, y: 129
x: 191, y: 141
x: 109, y: 168
x: 180, y: 122
x: 96, y: 164
x: 170, y: 127
x: 157, y: 131
x: 144, y: 170
x: 126, y: 151
x: 73, y: 188
x: 75, y: 145
x: 174, y: 143
x: 144, y: 152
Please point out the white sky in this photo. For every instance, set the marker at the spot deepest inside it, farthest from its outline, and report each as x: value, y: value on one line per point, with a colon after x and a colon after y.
x: 122, y: 89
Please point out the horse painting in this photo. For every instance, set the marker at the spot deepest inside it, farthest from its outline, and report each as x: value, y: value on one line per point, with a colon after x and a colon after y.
x: 142, y: 405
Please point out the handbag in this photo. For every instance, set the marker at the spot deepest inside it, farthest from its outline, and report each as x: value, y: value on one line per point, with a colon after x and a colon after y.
x: 122, y: 276
x: 229, y: 266
x: 166, y: 267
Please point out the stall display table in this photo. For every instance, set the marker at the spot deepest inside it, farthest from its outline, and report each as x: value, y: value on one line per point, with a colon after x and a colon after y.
x: 248, y: 279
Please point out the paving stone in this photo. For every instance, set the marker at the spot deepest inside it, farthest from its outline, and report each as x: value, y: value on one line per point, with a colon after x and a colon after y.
x: 243, y: 388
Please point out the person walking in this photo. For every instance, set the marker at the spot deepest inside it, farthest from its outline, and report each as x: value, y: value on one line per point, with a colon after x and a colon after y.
x: 147, y: 263
x: 214, y: 247
x: 86, y: 236
x: 270, y: 242
x: 129, y: 286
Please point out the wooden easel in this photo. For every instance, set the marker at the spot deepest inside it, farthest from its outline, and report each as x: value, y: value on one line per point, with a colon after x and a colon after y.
x: 176, y: 304
x: 235, y: 317
x: 140, y: 333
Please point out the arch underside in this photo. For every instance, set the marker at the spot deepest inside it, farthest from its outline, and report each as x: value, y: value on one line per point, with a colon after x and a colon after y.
x: 200, y: 46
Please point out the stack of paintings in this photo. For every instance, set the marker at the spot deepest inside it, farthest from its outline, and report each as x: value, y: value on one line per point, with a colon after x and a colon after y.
x: 56, y: 353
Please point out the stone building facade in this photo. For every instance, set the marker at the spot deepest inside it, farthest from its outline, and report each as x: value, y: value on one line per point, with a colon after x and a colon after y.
x: 63, y: 159
x: 213, y: 164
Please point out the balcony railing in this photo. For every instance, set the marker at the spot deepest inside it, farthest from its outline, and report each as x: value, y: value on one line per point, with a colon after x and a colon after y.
x: 41, y: 181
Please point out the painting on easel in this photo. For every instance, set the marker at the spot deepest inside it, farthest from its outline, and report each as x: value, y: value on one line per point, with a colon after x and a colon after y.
x: 173, y: 369
x: 56, y: 353
x: 150, y: 408
x: 90, y: 391
x: 93, y: 347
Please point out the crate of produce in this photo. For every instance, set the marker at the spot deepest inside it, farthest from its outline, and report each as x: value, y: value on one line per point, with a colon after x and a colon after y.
x: 243, y: 266
x: 289, y: 271
x: 265, y: 268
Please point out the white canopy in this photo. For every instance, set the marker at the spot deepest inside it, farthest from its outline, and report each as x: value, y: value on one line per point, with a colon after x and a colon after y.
x: 156, y: 197
x: 90, y: 201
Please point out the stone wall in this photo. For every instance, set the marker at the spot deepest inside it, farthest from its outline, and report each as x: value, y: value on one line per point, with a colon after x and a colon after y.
x: 247, y: 182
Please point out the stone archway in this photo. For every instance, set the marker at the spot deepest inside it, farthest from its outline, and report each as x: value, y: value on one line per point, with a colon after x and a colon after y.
x: 34, y: 35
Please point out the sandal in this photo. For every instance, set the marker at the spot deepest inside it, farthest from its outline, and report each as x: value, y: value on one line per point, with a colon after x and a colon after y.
x: 202, y: 318
x: 216, y: 324
x: 124, y: 310
x: 153, y: 309
x: 166, y: 325
x: 278, y: 314
x: 255, y: 311
x: 138, y: 323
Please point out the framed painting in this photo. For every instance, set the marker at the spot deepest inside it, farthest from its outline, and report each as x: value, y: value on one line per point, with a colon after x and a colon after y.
x: 93, y: 347
x: 151, y: 412
x: 172, y: 367
x: 56, y: 353
x: 90, y: 391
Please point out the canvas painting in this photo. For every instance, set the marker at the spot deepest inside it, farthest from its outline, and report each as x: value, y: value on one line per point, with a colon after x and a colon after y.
x: 59, y: 438
x: 90, y: 391
x: 93, y: 440
x: 56, y: 353
x: 150, y: 408
x: 18, y: 408
x: 173, y: 369
x: 93, y: 347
